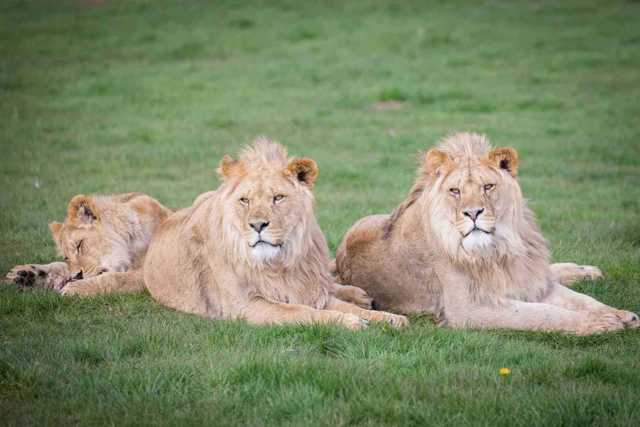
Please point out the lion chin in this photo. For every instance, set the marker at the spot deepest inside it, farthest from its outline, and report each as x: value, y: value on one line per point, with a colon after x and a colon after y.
x: 263, y: 252
x: 477, y: 240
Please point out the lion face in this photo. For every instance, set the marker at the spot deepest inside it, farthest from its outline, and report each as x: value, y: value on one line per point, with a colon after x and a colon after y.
x: 473, y: 201
x: 470, y: 196
x: 86, y: 243
x: 268, y: 204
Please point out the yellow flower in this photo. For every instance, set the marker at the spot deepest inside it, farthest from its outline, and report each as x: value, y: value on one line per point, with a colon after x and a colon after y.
x: 505, y: 372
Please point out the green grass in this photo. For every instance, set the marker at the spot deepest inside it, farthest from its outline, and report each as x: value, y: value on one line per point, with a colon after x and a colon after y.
x: 148, y: 95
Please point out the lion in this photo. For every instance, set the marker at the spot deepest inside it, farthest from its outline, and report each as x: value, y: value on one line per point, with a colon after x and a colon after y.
x: 465, y: 248
x: 252, y: 249
x: 103, y: 240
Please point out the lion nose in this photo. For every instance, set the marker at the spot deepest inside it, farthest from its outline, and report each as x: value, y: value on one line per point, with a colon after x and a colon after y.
x: 259, y: 225
x: 473, y: 213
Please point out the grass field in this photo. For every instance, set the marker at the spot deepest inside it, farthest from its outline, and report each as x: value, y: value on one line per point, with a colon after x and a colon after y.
x: 147, y: 96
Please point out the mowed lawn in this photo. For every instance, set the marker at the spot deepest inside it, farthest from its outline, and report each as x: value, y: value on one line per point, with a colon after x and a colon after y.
x: 114, y: 96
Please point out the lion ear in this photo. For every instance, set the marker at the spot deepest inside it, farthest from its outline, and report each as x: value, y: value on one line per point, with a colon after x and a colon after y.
x: 229, y: 168
x: 56, y: 228
x: 304, y: 169
x: 505, y: 158
x: 82, y: 211
x: 433, y: 160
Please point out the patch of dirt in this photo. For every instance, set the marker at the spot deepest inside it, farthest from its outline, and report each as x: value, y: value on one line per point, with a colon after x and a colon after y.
x: 389, y: 105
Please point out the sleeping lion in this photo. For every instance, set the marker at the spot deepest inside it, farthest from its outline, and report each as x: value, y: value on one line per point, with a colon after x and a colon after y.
x: 465, y: 247
x: 103, y: 240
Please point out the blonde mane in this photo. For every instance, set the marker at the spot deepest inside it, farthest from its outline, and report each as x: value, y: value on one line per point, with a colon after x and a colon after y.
x: 460, y: 147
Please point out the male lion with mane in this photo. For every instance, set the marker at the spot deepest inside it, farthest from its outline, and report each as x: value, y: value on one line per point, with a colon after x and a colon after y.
x: 103, y: 240
x: 252, y: 249
x: 465, y: 247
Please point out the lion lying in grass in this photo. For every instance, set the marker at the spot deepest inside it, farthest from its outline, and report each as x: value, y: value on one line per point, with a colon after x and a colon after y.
x: 465, y: 247
x: 252, y: 249
x: 103, y: 240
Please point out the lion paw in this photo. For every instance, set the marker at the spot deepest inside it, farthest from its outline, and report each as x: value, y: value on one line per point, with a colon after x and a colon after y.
x: 630, y: 320
x: 600, y: 323
x: 568, y: 273
x: 395, y: 320
x: 398, y: 321
x: 28, y: 276
x: 353, y: 322
x: 354, y: 295
x: 589, y: 272
x: 73, y: 288
x: 360, y: 298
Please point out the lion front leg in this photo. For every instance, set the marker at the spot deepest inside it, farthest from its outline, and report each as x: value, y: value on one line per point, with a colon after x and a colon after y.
x: 572, y: 300
x: 47, y: 276
x: 394, y: 320
x: 263, y: 312
x: 567, y: 273
x: 107, y: 283
x: 526, y: 316
x: 352, y: 294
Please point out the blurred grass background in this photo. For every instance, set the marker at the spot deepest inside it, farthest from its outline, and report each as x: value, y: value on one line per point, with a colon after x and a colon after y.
x: 112, y: 96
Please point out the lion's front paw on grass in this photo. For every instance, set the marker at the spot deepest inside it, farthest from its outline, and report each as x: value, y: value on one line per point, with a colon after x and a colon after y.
x: 395, y: 320
x: 398, y: 321
x: 630, y: 320
x: 351, y: 321
x: 72, y: 288
x: 27, y: 276
x: 600, y: 323
x: 589, y: 272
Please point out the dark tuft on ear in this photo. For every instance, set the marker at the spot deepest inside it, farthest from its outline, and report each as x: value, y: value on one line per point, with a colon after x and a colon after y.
x: 56, y: 228
x: 82, y: 211
x: 304, y: 169
x: 505, y: 158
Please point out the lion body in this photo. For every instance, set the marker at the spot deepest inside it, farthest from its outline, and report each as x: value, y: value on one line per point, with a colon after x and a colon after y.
x: 491, y: 271
x: 214, y: 261
x: 104, y: 240
x: 205, y: 278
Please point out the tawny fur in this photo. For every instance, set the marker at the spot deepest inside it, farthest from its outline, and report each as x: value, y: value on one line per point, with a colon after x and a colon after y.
x: 103, y: 240
x: 252, y: 249
x: 465, y: 247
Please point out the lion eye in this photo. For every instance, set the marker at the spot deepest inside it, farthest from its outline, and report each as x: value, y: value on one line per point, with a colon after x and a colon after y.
x: 244, y: 200
x: 278, y: 198
x: 489, y: 187
x: 79, y: 246
x: 455, y: 192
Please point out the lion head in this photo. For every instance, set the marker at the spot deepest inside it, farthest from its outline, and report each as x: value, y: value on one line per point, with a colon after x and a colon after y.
x: 472, y: 201
x: 267, y: 204
x: 87, y: 240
